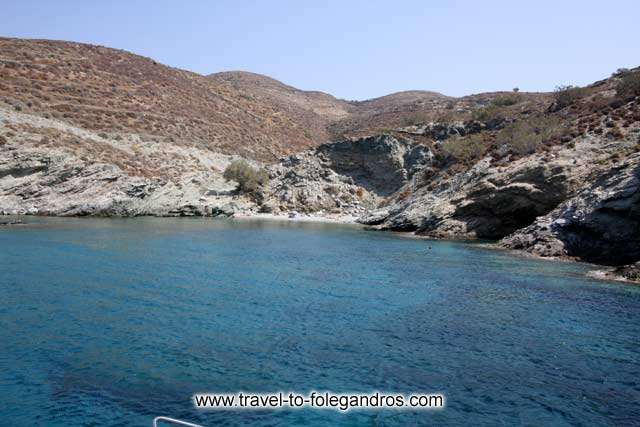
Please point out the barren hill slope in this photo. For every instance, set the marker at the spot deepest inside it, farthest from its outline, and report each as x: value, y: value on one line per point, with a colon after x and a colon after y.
x: 109, y: 90
x: 327, y: 107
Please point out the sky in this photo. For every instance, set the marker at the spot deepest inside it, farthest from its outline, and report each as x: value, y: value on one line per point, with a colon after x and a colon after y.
x: 357, y: 49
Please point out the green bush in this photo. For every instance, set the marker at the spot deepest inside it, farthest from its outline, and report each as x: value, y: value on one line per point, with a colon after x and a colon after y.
x: 525, y: 136
x: 487, y: 114
x: 465, y: 149
x: 567, y: 95
x: 507, y: 100
x: 629, y: 84
x: 249, y: 179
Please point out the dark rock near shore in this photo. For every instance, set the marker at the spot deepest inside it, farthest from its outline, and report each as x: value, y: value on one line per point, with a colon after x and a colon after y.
x: 628, y: 272
x: 601, y: 224
x: 484, y: 202
x: 4, y: 222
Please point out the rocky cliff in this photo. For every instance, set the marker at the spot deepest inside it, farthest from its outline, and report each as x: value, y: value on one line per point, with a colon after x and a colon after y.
x: 349, y: 177
x: 490, y: 201
x: 600, y: 224
x: 49, y: 167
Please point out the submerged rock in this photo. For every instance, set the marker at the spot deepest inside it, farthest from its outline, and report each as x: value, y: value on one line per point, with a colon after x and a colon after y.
x: 628, y: 272
x: 4, y: 222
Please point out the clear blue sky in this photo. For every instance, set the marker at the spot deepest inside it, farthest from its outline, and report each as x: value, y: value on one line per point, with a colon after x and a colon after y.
x: 358, y: 49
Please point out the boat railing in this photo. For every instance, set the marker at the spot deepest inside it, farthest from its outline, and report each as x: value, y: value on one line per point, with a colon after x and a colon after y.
x: 173, y: 421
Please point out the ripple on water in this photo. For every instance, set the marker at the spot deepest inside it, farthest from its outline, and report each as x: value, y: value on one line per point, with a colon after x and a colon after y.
x: 112, y: 322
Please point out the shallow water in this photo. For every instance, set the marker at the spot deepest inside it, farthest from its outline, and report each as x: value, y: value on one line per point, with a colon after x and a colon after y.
x: 114, y: 321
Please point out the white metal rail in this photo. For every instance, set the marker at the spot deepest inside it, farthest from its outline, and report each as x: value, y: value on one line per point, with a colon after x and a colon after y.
x: 168, y: 420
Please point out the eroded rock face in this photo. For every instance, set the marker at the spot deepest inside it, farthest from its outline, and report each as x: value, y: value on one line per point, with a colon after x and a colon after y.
x: 54, y: 183
x: 601, y: 224
x: 441, y: 131
x: 491, y: 201
x: 485, y: 202
x: 381, y: 164
x: 349, y: 177
x: 70, y: 173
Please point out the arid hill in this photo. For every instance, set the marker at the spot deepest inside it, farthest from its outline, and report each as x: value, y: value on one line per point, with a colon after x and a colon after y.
x: 113, y: 91
x: 109, y: 90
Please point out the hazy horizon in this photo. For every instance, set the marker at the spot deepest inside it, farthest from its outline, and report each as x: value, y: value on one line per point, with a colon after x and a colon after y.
x: 360, y: 50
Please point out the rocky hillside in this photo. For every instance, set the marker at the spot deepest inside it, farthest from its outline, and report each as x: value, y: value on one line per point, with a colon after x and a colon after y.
x: 284, y: 97
x: 87, y: 130
x: 348, y: 177
x: 411, y: 108
x: 600, y: 223
x: 115, y: 92
x: 559, y: 181
x: 51, y: 167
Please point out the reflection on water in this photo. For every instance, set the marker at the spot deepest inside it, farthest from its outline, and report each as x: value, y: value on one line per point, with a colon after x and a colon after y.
x: 114, y: 321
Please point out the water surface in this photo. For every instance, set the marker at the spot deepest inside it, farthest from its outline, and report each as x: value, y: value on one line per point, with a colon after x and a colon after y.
x: 114, y: 321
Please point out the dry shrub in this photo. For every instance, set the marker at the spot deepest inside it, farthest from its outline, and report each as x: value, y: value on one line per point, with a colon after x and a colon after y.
x: 629, y: 85
x: 249, y: 179
x: 507, y: 100
x: 465, y: 149
x: 414, y: 119
x: 491, y: 114
x: 525, y: 136
x: 567, y: 95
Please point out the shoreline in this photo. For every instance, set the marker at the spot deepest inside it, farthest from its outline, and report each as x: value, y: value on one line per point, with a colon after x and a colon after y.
x: 324, y: 219
x: 599, y: 272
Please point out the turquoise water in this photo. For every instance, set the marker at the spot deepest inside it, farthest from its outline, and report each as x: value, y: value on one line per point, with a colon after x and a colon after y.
x: 114, y: 321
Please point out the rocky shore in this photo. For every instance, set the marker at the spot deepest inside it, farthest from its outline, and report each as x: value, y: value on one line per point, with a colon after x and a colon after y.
x: 579, y: 201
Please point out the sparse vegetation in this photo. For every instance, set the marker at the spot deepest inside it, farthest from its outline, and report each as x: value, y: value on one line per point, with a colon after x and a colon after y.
x: 465, y: 149
x: 567, y: 95
x: 526, y: 136
x: 494, y: 112
x: 112, y: 98
x: 619, y: 72
x: 490, y: 113
x: 249, y: 179
x: 413, y: 119
x: 507, y: 100
x: 629, y: 85
x: 445, y: 117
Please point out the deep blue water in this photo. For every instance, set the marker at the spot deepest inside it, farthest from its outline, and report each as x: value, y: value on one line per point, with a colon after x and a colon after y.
x: 114, y: 321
